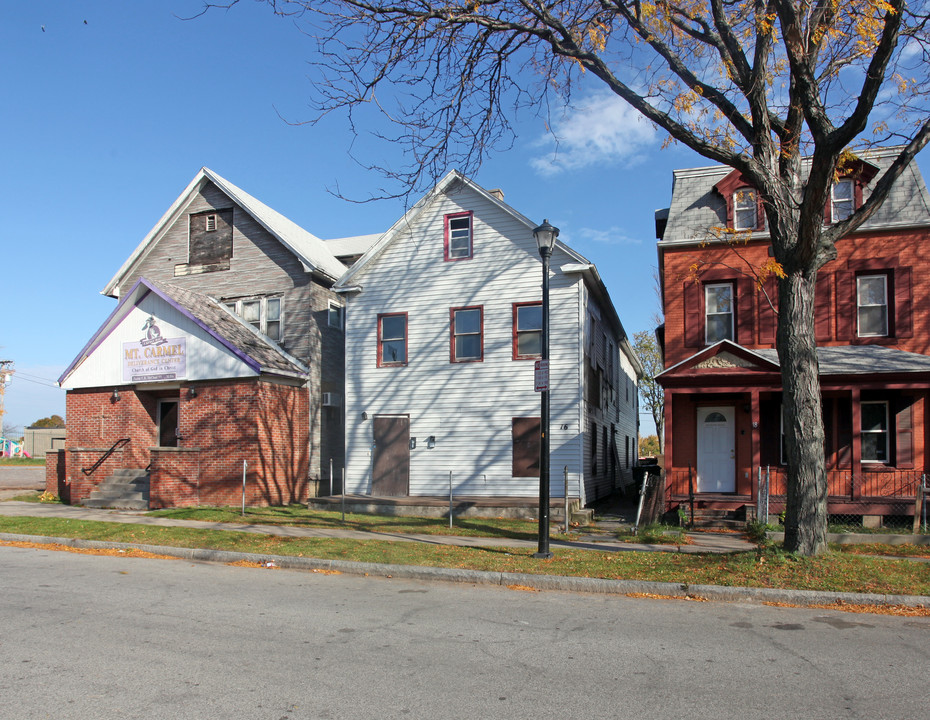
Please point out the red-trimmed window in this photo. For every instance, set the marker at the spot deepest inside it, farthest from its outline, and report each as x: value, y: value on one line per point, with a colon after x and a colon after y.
x: 527, y: 331
x: 872, y: 305
x: 392, y: 339
x: 745, y: 209
x: 718, y: 313
x: 744, y: 205
x: 842, y: 199
x: 467, y: 331
x: 458, y: 236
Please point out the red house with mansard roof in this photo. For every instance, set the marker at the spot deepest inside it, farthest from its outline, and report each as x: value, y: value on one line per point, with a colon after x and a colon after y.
x: 722, y: 377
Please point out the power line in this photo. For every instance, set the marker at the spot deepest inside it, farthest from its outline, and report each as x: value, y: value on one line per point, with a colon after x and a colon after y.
x: 36, y: 382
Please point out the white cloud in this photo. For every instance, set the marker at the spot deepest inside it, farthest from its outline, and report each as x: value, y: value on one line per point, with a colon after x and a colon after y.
x: 602, y: 129
x: 611, y: 236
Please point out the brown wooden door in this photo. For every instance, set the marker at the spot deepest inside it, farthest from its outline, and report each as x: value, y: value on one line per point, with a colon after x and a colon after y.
x: 390, y: 473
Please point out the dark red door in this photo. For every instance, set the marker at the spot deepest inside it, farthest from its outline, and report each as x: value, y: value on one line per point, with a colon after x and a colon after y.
x: 390, y: 473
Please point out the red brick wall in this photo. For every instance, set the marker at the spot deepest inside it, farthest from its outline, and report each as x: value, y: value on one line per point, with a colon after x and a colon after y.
x: 219, y: 426
x: 835, y: 306
x: 82, y: 484
x: 174, y: 478
x: 95, y: 420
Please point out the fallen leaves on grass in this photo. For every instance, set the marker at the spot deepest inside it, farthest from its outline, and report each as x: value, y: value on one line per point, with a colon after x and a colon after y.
x: 903, y: 610
x: 113, y: 552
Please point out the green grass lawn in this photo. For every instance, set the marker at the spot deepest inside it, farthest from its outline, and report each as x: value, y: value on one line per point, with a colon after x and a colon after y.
x: 19, y: 461
x: 767, y: 568
x: 300, y: 516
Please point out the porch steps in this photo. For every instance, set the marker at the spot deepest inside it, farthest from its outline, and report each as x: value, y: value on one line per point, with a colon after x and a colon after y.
x: 717, y: 519
x: 126, y: 489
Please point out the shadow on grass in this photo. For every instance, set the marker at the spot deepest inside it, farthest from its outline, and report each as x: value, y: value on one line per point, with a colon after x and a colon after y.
x: 300, y: 516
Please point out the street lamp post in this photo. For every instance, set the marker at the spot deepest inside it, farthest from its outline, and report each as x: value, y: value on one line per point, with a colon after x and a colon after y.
x: 545, y: 235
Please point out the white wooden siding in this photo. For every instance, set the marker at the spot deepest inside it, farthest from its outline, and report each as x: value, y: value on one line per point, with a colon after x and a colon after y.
x: 468, y: 407
x: 207, y: 359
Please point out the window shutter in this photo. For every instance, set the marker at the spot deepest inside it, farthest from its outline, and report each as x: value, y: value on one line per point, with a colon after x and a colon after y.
x: 845, y: 306
x: 904, y: 435
x: 823, y: 306
x: 693, y: 296
x: 744, y: 325
x: 526, y: 446
x: 767, y: 317
x: 903, y: 325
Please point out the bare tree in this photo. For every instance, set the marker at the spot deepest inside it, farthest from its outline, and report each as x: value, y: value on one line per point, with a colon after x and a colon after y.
x: 651, y: 393
x: 782, y: 91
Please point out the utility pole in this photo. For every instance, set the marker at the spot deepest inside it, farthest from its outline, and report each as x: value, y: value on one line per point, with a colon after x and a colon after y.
x: 6, y: 374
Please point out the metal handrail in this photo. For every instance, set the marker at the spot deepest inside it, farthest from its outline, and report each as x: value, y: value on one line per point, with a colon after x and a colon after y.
x: 118, y: 444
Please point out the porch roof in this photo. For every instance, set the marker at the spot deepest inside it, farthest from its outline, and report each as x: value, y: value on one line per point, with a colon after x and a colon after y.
x: 862, y: 360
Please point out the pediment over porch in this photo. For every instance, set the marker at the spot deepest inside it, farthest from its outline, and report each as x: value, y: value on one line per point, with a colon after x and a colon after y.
x: 722, y: 358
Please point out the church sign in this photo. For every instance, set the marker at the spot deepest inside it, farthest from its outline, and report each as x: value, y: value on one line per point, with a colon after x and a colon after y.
x: 154, y: 357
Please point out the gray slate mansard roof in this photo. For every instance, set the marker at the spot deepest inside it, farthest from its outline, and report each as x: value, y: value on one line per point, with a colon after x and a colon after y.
x: 696, y: 206
x: 313, y: 253
x: 251, y: 346
x: 862, y: 360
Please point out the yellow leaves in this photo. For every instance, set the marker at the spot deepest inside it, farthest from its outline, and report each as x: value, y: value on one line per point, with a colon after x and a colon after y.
x: 769, y: 268
x: 597, y: 35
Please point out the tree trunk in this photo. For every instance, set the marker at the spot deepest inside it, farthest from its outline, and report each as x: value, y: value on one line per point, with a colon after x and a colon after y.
x: 806, y: 510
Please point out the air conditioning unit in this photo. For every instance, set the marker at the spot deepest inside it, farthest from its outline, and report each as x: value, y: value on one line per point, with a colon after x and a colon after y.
x: 331, y: 399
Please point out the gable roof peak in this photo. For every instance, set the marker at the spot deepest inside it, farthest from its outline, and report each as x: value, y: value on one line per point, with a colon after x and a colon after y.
x: 311, y: 251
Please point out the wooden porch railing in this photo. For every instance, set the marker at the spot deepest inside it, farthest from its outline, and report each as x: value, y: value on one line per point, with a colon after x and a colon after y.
x: 883, y: 484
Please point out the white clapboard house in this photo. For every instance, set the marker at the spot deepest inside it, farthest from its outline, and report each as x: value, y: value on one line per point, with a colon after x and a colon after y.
x: 443, y: 325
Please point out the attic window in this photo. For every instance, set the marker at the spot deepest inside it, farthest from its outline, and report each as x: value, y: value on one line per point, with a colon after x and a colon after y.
x: 210, y: 242
x: 458, y: 236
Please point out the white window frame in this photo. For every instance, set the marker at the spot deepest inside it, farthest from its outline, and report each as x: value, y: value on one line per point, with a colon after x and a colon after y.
x: 731, y: 313
x: 237, y: 306
x: 337, y: 312
x: 886, y: 432
x: 745, y: 199
x: 849, y: 201
x: 860, y: 306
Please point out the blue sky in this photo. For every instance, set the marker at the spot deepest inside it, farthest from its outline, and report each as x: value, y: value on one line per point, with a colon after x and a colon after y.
x: 109, y: 109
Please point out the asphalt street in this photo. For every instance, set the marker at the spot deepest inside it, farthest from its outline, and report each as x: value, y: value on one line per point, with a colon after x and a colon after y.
x: 115, y: 637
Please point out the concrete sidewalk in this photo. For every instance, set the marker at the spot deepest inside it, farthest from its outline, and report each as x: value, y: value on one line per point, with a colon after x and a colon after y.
x: 701, y: 542
x: 705, y: 542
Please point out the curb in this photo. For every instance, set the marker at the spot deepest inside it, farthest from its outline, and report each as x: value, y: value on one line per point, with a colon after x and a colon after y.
x: 480, y: 577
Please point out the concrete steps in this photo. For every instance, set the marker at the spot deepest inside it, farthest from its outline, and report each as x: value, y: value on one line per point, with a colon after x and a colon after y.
x: 126, y: 489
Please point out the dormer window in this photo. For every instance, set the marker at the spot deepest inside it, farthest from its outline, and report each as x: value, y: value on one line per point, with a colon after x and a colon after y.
x: 745, y: 209
x: 743, y: 204
x: 458, y: 236
x: 842, y: 200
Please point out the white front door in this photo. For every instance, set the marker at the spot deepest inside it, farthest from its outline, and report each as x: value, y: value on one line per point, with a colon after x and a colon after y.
x: 716, y: 450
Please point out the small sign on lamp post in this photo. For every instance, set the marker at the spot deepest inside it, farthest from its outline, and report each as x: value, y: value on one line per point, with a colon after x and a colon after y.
x: 542, y: 375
